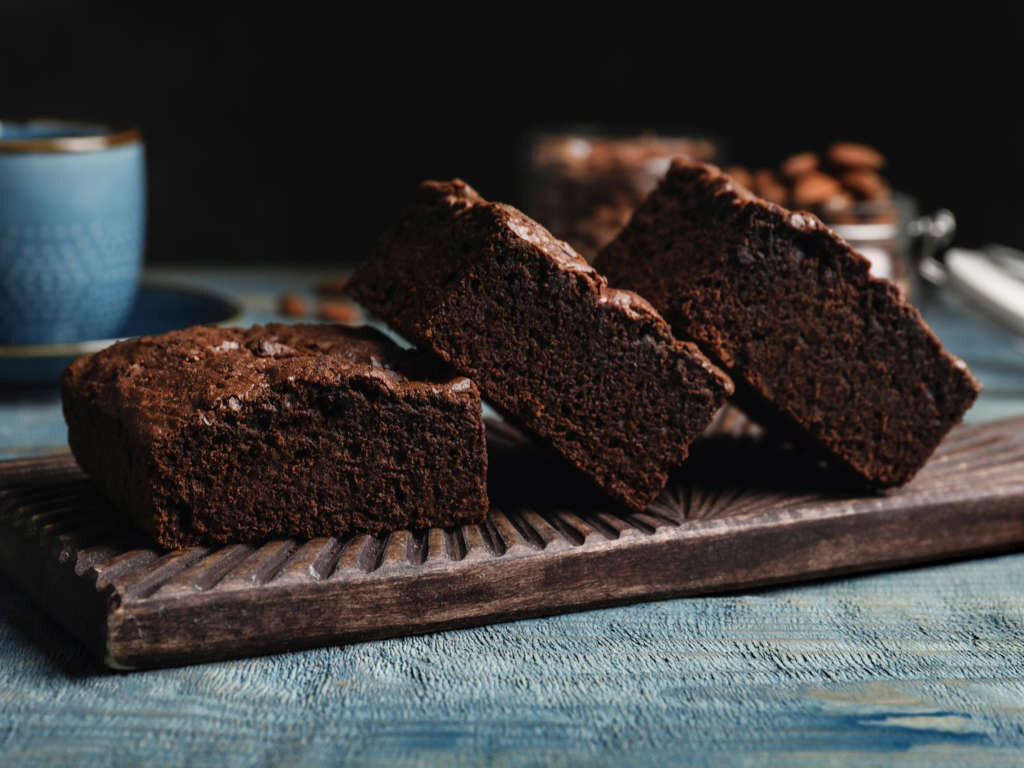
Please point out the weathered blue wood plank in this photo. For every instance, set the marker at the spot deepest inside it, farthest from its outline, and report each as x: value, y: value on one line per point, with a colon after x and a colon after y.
x: 919, y: 665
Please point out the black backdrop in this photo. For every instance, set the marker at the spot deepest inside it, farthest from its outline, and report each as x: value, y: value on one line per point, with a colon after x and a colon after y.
x: 297, y: 134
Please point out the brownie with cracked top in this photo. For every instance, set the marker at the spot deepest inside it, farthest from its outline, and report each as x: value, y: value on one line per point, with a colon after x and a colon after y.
x: 814, y: 344
x: 215, y: 435
x: 591, y: 372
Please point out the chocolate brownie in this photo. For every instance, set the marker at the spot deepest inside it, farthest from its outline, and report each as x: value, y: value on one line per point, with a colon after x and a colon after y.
x: 812, y: 341
x: 592, y: 372
x: 229, y: 435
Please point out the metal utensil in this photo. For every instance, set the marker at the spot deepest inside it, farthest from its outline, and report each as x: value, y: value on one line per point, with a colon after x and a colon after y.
x: 991, y: 280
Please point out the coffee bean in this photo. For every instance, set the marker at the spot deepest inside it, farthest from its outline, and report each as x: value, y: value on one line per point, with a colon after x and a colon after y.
x: 741, y: 176
x: 336, y: 311
x: 292, y: 305
x: 332, y: 286
x: 799, y: 164
x: 847, y: 154
x: 865, y: 185
x: 768, y: 186
x: 813, y: 189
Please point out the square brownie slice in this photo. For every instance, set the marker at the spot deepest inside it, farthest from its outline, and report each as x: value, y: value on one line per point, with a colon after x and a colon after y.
x: 813, y: 342
x: 591, y: 372
x: 218, y: 435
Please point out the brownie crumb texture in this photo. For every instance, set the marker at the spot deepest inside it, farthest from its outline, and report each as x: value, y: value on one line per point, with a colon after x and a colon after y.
x: 814, y: 344
x: 213, y: 435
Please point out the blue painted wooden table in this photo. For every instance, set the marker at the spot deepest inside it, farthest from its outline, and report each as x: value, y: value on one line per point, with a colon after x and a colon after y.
x: 922, y: 666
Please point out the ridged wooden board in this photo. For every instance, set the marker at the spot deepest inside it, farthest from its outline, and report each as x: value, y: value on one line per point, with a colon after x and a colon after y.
x: 743, y: 513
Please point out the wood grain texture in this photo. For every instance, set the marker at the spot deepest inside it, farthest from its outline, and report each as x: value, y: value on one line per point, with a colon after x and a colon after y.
x: 548, y: 547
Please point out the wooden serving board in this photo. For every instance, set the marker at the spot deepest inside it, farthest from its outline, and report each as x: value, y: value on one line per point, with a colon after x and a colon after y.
x: 742, y: 513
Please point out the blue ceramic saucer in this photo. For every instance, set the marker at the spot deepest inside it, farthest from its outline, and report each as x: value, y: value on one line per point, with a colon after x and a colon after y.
x: 157, y: 308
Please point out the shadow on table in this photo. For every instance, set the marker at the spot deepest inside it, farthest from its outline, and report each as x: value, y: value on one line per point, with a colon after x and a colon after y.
x: 33, y: 631
x: 521, y: 474
x: 764, y: 463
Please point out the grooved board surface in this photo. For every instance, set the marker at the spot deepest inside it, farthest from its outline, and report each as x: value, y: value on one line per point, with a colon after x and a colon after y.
x: 742, y: 513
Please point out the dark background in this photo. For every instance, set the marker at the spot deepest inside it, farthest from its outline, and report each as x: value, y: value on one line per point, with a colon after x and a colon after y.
x: 298, y: 135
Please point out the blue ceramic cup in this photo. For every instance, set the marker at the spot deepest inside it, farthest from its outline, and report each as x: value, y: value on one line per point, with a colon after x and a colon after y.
x: 72, y: 230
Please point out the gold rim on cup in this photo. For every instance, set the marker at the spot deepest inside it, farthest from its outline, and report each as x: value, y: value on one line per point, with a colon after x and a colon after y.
x: 98, y: 137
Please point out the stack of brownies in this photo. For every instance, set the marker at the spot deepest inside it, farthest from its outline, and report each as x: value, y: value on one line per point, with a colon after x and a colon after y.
x: 224, y: 435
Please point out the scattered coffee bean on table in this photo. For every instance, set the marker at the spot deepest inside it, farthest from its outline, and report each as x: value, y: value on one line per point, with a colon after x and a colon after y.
x: 292, y: 305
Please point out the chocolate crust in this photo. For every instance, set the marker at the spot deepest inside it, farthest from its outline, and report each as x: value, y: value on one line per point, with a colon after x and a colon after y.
x: 815, y: 344
x: 590, y: 371
x: 218, y: 435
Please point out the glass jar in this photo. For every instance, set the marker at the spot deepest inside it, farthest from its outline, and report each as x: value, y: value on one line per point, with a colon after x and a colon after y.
x: 584, y: 186
x: 881, y: 232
